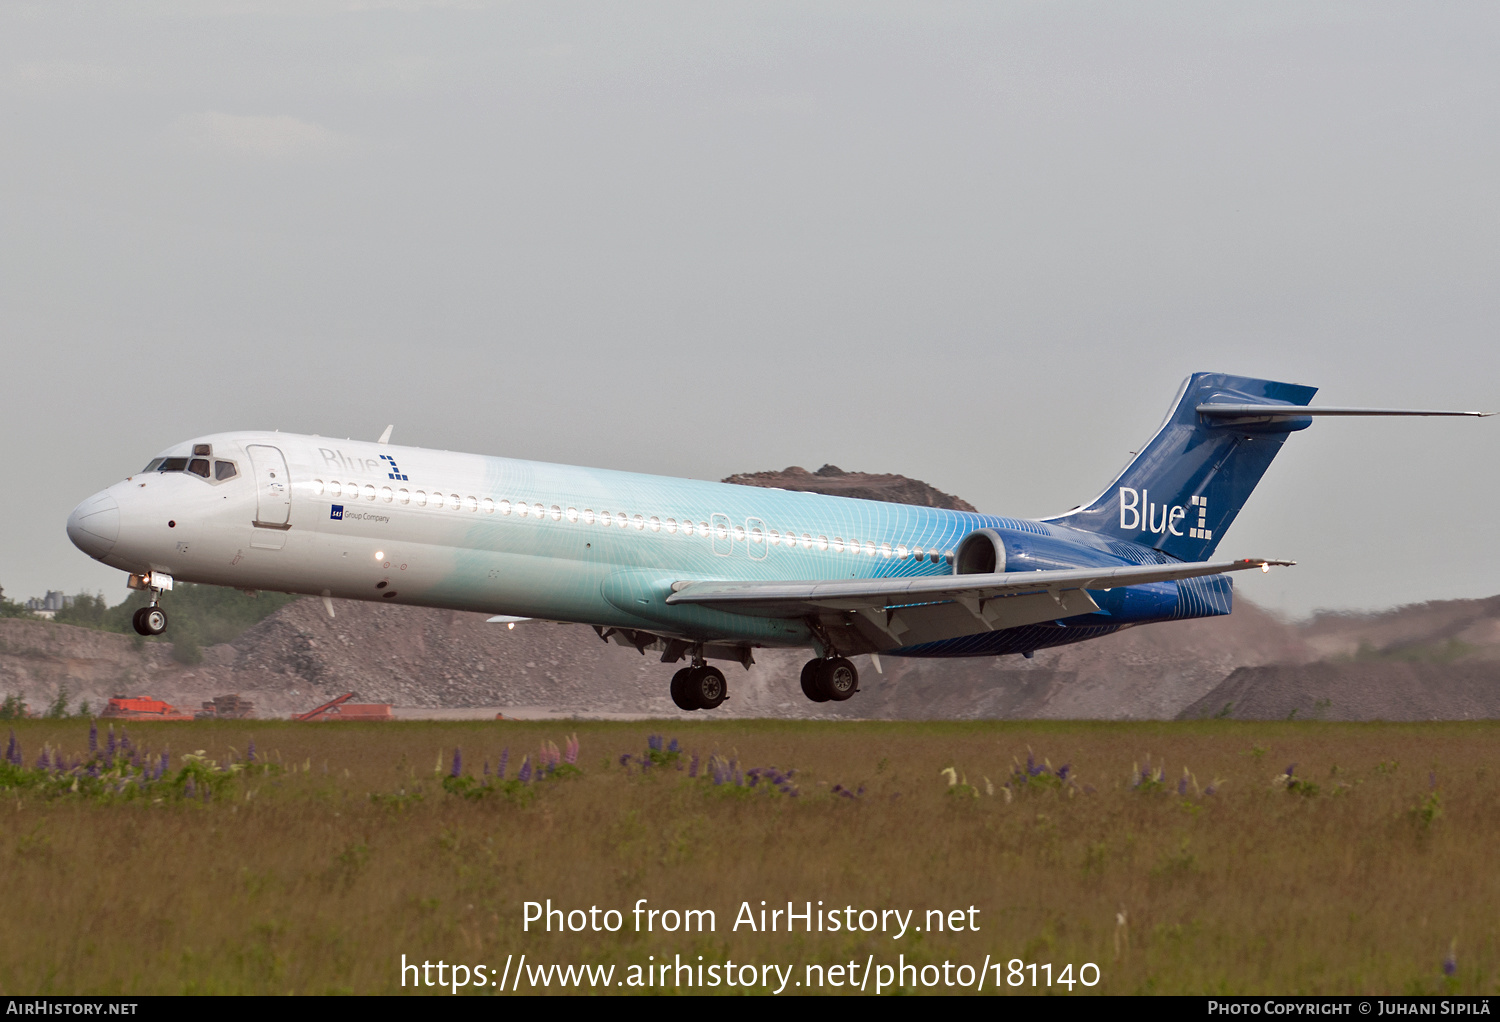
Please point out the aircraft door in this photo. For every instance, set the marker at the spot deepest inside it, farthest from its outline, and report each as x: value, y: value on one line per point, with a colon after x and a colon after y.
x: 273, y: 496
x: 723, y: 534
x: 755, y: 537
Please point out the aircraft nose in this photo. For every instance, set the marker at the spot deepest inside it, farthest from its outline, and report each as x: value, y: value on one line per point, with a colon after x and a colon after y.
x: 94, y: 525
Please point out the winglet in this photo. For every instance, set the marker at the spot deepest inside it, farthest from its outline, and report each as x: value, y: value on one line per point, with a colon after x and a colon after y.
x: 385, y: 437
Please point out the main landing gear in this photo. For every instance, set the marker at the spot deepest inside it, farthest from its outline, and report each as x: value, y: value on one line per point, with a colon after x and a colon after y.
x: 833, y: 678
x: 699, y: 687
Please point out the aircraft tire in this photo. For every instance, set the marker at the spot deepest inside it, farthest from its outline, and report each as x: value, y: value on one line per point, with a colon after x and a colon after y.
x: 138, y: 623
x: 155, y: 620
x: 840, y: 679
x: 680, y: 694
x: 707, y: 687
x: 812, y: 681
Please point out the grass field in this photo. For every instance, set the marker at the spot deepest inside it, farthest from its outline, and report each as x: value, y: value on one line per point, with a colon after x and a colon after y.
x: 341, y: 847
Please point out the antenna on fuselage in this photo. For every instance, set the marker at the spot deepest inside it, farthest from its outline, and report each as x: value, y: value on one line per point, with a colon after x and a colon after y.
x: 385, y: 437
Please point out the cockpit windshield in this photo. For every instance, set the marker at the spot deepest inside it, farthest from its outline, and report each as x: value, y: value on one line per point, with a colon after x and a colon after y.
x: 217, y: 471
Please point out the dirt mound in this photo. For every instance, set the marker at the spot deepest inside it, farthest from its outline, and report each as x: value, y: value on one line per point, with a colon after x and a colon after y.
x: 1355, y: 691
x: 834, y: 481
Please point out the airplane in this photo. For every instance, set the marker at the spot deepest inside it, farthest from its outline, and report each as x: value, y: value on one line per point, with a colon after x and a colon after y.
x: 702, y: 571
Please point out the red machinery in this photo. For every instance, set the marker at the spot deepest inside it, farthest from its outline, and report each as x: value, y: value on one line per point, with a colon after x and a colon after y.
x: 342, y: 709
x: 128, y: 708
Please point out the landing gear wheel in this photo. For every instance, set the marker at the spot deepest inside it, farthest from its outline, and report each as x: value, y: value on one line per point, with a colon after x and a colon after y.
x: 839, y: 678
x: 149, y: 621
x: 680, y: 694
x: 812, y: 683
x: 706, y: 687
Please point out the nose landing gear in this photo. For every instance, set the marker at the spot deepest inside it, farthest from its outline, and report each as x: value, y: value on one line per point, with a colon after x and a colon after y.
x: 150, y: 619
x: 834, y: 678
x: 699, y: 687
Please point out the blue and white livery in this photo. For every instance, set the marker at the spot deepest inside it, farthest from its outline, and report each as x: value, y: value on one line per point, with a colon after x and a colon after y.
x: 698, y: 570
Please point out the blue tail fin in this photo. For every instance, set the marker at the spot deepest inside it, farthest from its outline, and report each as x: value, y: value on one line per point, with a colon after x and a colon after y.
x: 1186, y: 486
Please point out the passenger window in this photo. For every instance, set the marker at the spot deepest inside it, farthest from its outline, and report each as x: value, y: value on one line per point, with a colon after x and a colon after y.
x: 605, y: 519
x: 471, y: 503
x: 588, y: 516
x: 153, y: 465
x: 935, y: 557
x: 655, y: 524
x: 225, y: 470
x: 386, y: 494
x: 403, y: 495
x: 437, y: 500
x: 572, y: 514
x: 421, y: 498
x: 557, y: 513
x: 523, y: 509
x: 622, y: 519
x: 335, y: 488
x: 822, y: 542
x: 671, y: 524
x: 199, y: 467
x: 317, y: 487
x: 505, y: 507
x: 489, y: 506
x: 838, y: 544
x: 369, y: 491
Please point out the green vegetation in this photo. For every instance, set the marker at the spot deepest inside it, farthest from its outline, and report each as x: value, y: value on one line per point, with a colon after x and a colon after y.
x: 1316, y: 860
x: 1444, y: 652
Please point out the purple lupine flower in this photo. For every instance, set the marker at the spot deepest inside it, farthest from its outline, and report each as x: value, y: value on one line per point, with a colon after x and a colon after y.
x: 42, y: 761
x: 1450, y: 962
x: 1062, y: 772
x: 1290, y: 769
x: 190, y: 789
x: 500, y: 768
x: 135, y: 759
x: 458, y: 763
x: 739, y: 778
x: 674, y: 747
x: 111, y: 745
x: 693, y: 767
x: 93, y: 736
x: 1432, y: 780
x: 625, y: 759
x: 1182, y: 785
x: 570, y: 754
x: 13, y: 751
x: 486, y: 766
x: 654, y: 741
x: 524, y: 774
x: 165, y: 760
x: 93, y: 770
x: 250, y: 752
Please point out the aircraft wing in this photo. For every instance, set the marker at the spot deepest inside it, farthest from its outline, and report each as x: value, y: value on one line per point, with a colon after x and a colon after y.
x: 888, y: 613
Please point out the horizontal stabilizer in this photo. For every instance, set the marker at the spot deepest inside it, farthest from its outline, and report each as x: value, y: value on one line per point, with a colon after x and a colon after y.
x: 1218, y: 410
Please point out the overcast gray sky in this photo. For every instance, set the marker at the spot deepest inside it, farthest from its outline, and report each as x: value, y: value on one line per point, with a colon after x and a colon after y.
x: 979, y: 244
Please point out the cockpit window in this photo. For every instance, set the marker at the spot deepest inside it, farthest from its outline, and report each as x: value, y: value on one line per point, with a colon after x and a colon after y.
x: 155, y: 464
x: 203, y: 450
x: 225, y: 470
x: 173, y: 465
x: 199, y: 467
